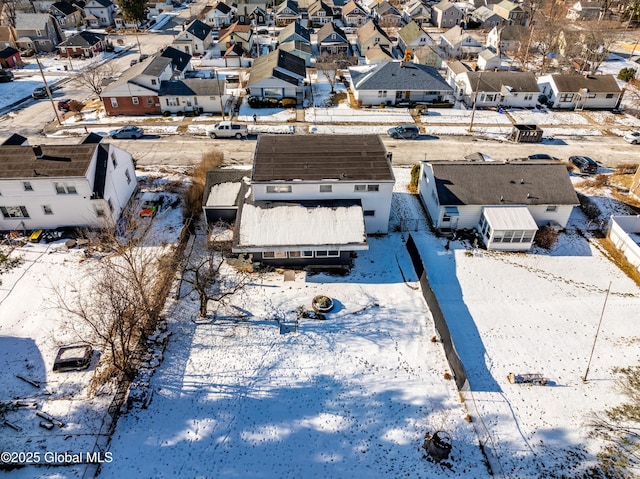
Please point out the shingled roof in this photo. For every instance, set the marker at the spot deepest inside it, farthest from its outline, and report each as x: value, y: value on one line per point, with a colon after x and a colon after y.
x: 593, y: 83
x: 83, y: 39
x: 494, y: 81
x: 277, y: 64
x: 199, y: 29
x: 56, y: 161
x: 321, y: 157
x: 399, y: 75
x: 507, y: 184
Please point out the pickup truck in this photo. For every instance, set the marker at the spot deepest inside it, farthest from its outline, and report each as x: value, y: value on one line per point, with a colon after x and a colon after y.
x: 226, y: 129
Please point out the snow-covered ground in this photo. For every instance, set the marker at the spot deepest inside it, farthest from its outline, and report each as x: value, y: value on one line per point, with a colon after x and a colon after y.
x: 352, y: 396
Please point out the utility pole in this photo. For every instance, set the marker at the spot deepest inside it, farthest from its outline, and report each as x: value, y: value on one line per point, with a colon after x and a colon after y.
x: 586, y: 373
x: 475, y: 100
x: 217, y: 74
x: 46, y: 86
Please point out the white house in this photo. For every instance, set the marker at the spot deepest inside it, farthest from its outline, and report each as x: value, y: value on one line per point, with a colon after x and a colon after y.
x: 577, y: 92
x: 502, y: 88
x: 278, y: 74
x: 52, y: 186
x: 195, y: 39
x: 202, y: 95
x: 505, y: 203
x: 99, y: 13
x: 315, y: 198
x: 457, y: 42
x: 220, y: 15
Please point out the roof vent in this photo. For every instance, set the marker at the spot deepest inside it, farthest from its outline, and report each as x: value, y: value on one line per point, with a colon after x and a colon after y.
x: 501, y: 198
x: 37, y: 150
x: 522, y: 181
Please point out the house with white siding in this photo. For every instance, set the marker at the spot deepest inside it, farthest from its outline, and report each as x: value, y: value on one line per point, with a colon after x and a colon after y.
x: 506, y: 203
x: 330, y: 191
x: 578, y: 92
x: 53, y: 186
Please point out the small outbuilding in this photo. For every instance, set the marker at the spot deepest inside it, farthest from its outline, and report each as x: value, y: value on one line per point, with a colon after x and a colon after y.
x: 526, y: 134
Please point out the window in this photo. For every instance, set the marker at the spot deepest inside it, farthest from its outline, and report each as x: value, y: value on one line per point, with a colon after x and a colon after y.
x: 99, y: 210
x: 369, y: 212
x: 113, y: 160
x: 321, y: 254
x: 72, y: 190
x: 46, y: 209
x: 279, y: 189
x: 528, y: 96
x: 272, y: 92
x: 360, y: 188
x: 134, y: 100
x: 27, y: 186
x: 552, y: 208
x: 128, y: 176
x: 382, y: 93
x: 14, y: 211
x: 566, y: 97
x: 609, y: 95
x: 325, y: 188
x: 59, y: 188
x: 149, y: 101
x: 451, y: 211
x: 373, y: 187
x: 153, y: 81
x: 110, y: 204
x: 114, y: 102
x: 307, y: 254
x: 333, y: 253
x: 294, y: 254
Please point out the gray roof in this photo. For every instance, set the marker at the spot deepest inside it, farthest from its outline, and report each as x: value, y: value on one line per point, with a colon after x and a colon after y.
x: 290, y: 4
x: 273, y: 64
x: 83, y: 39
x: 294, y: 28
x: 517, y: 183
x: 191, y: 87
x: 594, y: 83
x: 321, y: 157
x: 399, y: 75
x: 179, y: 59
x: 58, y: 161
x: 199, y: 29
x: 327, y: 29
x: 494, y: 81
x: 296, y: 46
x: 218, y: 175
x: 157, y: 65
x: 32, y: 21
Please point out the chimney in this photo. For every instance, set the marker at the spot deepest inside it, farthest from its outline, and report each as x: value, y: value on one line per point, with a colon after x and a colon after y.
x: 37, y: 150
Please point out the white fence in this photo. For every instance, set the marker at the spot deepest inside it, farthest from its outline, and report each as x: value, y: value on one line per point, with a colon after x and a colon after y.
x: 624, y: 232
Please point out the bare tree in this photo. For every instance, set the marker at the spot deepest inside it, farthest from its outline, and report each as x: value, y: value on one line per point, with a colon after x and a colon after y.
x: 548, y: 23
x: 330, y: 64
x: 619, y: 428
x: 597, y: 41
x: 204, y: 272
x: 119, y: 301
x: 94, y: 76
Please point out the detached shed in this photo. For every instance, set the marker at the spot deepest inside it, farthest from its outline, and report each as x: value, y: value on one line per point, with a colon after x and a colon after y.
x: 526, y: 134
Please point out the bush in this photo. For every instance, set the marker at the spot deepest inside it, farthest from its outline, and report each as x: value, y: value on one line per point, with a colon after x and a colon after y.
x: 383, y: 104
x: 415, y: 176
x: 626, y: 168
x: 76, y: 106
x: 546, y: 237
x: 589, y: 208
x: 627, y: 74
x: 289, y: 102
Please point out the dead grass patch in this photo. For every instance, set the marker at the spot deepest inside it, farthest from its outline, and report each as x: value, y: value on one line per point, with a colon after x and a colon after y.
x: 616, y: 257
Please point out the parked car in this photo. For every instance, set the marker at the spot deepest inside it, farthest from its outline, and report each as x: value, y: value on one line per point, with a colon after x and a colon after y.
x: 133, y: 62
x: 585, y: 164
x: 126, y: 132
x: 404, y: 132
x: 39, y: 92
x: 64, y: 105
x: 632, y: 137
x: 226, y: 129
x: 143, y: 57
x: 5, y: 76
x: 542, y: 156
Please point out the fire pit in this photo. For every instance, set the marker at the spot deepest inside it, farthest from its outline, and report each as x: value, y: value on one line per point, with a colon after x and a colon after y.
x: 322, y: 304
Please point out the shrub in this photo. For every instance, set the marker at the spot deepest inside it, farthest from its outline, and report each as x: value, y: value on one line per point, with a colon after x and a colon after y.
x: 288, y: 102
x: 546, y: 237
x: 76, y: 106
x: 166, y: 113
x: 626, y: 168
x: 589, y: 208
x: 193, y: 196
x: 383, y: 104
x: 626, y: 74
x: 415, y: 176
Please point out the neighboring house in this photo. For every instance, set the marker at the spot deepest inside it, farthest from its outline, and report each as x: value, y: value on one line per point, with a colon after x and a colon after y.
x: 353, y: 14
x: 577, y: 92
x: 53, y: 186
x: 234, y: 55
x: 412, y: 36
x: 299, y: 49
x: 287, y: 12
x: 505, y: 202
x: 120, y: 22
x: 585, y: 11
x: 486, y: 17
x: 377, y: 54
x: 135, y: 92
x: 369, y: 35
x: 416, y: 11
x: 455, y: 69
x: 7, y: 37
x: 507, y: 39
x: 458, y: 42
x: 333, y: 41
x: 84, y: 44
x: 278, y: 74
x: 502, y: 88
x: 37, y: 31
x: 427, y: 56
x: 320, y: 14
x: 446, y: 14
x: 330, y: 199
x: 67, y: 14
x: 99, y: 13
x: 10, y: 58
x: 386, y: 14
x: 624, y: 233
x: 195, y: 39
x: 180, y: 61
x: 396, y: 82
x: 198, y: 95
x: 512, y: 13
x: 236, y: 34
x: 219, y: 16
x: 487, y: 60
x: 294, y: 32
